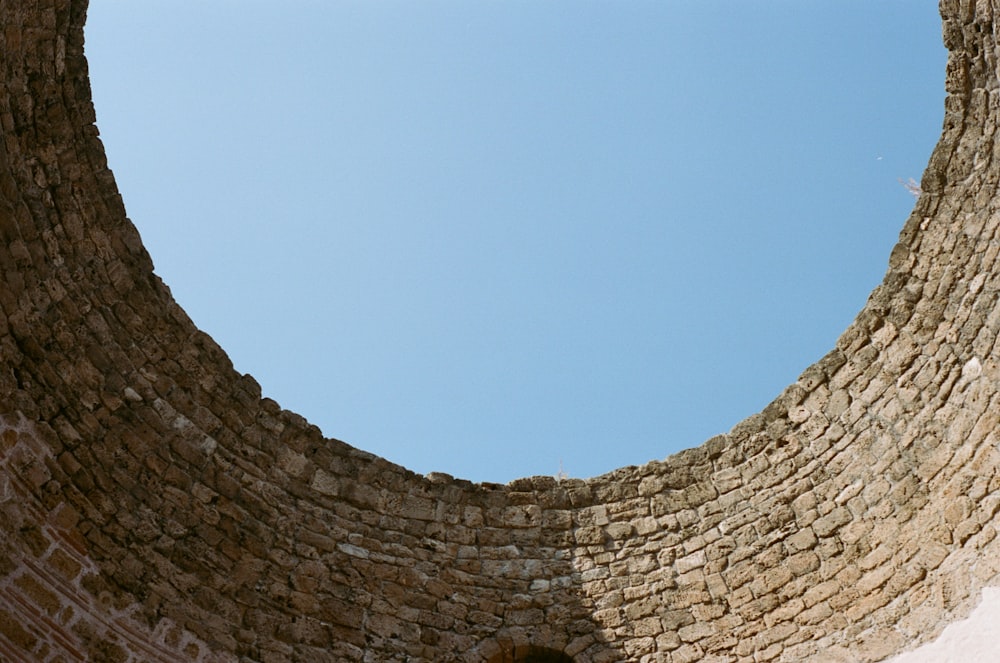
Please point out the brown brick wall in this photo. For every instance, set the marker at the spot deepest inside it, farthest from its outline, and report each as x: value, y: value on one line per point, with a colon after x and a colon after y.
x: 154, y: 507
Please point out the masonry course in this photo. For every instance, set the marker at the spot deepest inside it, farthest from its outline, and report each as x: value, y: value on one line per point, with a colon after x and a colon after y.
x: 155, y: 506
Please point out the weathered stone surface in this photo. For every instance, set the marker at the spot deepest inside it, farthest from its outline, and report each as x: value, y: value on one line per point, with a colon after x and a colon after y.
x: 154, y: 507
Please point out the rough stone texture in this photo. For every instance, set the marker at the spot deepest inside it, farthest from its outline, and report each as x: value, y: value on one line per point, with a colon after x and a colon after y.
x: 154, y: 507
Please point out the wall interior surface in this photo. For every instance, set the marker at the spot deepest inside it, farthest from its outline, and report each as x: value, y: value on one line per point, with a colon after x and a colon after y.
x: 155, y: 507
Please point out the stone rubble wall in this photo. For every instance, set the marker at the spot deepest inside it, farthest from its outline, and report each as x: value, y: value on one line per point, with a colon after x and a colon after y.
x: 155, y: 507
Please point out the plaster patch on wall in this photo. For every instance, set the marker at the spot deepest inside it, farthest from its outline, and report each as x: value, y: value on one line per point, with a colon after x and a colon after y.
x: 48, y: 581
x: 972, y: 640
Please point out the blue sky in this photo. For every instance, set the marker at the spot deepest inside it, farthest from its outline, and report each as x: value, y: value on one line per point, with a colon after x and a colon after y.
x: 499, y: 239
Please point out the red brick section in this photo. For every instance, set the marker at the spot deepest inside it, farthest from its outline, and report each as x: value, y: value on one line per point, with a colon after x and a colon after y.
x: 155, y: 507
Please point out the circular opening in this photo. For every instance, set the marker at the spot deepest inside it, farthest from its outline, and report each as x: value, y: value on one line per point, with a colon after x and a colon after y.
x: 531, y: 654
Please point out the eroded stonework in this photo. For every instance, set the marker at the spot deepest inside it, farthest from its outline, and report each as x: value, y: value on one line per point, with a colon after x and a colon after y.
x: 154, y: 507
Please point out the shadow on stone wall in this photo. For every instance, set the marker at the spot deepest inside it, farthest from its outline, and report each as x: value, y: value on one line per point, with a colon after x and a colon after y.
x: 156, y: 507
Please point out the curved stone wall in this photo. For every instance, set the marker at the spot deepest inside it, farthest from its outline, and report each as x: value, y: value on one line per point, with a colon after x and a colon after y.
x: 154, y: 507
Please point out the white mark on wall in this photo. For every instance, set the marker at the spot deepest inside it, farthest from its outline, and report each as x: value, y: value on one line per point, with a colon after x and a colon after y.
x: 975, y: 639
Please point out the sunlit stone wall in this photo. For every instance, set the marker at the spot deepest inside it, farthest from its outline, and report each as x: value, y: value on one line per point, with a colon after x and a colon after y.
x: 155, y: 507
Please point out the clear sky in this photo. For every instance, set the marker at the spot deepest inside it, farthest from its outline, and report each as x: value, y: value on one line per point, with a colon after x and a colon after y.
x: 506, y: 238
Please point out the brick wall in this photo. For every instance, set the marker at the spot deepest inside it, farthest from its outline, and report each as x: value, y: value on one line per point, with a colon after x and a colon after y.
x: 155, y: 507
